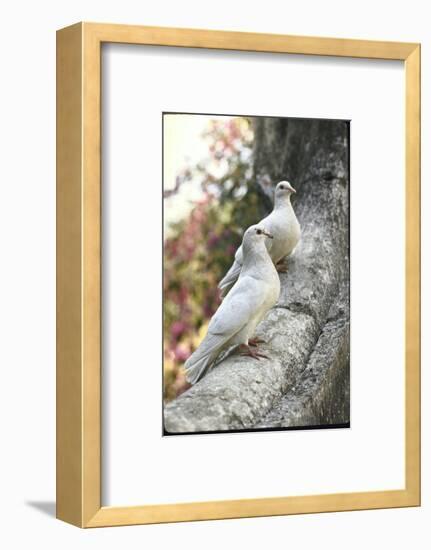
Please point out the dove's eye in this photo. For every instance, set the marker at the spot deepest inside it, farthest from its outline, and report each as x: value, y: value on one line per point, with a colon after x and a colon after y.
x: 281, y: 186
x: 259, y: 231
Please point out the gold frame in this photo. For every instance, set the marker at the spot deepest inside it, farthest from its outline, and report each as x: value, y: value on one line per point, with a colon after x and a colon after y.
x: 78, y: 275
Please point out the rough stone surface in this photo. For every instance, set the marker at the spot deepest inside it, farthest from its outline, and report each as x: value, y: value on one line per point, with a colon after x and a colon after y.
x: 305, y: 381
x: 239, y: 390
x: 320, y: 394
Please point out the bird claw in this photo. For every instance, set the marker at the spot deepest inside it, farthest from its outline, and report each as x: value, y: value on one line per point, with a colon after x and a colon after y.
x: 281, y: 268
x: 255, y: 342
x: 253, y: 353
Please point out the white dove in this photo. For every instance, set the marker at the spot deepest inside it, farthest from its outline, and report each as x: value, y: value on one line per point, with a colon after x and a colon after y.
x: 254, y: 293
x: 283, y: 224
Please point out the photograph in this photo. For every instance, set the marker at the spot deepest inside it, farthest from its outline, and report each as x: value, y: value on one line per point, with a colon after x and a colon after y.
x: 256, y: 273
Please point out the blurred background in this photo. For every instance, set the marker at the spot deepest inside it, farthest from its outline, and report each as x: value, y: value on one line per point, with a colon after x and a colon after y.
x: 208, y: 201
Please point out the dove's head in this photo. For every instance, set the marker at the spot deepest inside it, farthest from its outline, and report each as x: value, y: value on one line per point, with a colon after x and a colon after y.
x: 283, y: 190
x: 255, y: 235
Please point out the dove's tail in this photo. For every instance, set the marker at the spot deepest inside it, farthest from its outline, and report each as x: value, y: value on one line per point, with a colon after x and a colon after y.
x: 199, y: 363
x: 229, y: 279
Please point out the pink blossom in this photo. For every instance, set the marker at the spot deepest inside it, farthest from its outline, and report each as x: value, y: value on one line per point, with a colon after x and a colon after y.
x: 182, y: 353
x: 177, y: 328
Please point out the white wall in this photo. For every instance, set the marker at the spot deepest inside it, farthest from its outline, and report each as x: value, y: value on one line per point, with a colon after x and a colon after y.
x: 27, y: 218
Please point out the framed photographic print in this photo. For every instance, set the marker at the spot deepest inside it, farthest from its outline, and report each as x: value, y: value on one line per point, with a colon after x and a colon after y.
x: 238, y: 275
x: 208, y: 275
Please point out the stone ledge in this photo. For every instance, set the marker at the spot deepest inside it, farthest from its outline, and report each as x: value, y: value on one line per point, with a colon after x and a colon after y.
x: 239, y: 390
x: 320, y: 396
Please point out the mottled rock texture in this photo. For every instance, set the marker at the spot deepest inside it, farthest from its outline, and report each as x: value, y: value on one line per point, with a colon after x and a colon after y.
x: 305, y: 380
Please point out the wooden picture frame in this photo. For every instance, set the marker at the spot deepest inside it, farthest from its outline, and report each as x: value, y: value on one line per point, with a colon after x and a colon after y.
x: 79, y: 275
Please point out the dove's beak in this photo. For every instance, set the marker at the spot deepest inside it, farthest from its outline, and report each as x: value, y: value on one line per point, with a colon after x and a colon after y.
x: 292, y: 189
x: 267, y: 234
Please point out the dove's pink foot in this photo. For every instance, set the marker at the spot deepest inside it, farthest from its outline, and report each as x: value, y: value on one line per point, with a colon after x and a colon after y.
x: 255, y: 342
x: 281, y: 267
x: 252, y: 353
